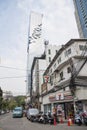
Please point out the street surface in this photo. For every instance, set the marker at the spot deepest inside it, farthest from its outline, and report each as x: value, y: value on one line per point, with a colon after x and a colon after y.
x: 9, y: 123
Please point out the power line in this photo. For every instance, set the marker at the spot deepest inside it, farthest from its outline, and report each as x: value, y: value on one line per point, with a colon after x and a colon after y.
x: 13, y: 77
x: 8, y: 67
x: 22, y: 76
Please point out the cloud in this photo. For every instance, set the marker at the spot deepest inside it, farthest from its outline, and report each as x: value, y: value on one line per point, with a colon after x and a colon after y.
x: 59, y: 26
x: 58, y: 18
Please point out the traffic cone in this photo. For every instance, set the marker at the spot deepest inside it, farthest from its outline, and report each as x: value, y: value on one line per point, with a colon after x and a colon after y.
x: 69, y: 122
x: 54, y: 121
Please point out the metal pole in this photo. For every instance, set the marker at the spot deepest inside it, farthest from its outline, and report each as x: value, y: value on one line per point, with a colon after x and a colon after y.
x: 27, y: 83
x: 74, y: 104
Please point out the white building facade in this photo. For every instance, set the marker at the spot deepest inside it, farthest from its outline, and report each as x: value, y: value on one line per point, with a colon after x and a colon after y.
x: 38, y: 68
x: 69, y: 61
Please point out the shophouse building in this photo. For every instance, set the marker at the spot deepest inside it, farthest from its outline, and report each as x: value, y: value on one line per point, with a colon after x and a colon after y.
x: 70, y: 61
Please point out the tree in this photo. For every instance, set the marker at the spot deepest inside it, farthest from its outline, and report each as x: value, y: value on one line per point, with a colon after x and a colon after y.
x: 5, y: 104
x: 12, y: 104
x: 1, y: 92
x: 20, y: 100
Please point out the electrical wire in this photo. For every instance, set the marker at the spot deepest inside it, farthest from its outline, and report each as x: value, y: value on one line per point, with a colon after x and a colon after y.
x: 13, y: 77
x: 9, y: 67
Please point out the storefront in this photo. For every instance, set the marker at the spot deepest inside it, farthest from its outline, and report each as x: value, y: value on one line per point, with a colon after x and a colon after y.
x: 62, y: 102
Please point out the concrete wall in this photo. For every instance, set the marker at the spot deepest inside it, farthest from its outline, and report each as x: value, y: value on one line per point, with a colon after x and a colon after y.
x: 81, y: 93
x: 42, y: 67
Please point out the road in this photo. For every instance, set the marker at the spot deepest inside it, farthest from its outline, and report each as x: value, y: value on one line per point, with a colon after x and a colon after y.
x: 9, y: 123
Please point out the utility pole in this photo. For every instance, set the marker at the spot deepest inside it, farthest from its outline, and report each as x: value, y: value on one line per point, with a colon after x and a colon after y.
x: 1, y: 93
x: 73, y: 90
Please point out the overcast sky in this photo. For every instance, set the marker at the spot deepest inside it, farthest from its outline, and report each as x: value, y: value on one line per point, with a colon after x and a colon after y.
x: 58, y: 26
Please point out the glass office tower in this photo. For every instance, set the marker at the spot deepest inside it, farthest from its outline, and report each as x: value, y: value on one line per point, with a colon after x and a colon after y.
x: 81, y: 17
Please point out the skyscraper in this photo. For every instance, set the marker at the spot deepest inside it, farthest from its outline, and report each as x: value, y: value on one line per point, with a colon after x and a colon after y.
x: 81, y: 17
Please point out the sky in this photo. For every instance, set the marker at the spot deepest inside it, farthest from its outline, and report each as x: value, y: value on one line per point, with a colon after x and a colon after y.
x: 58, y: 26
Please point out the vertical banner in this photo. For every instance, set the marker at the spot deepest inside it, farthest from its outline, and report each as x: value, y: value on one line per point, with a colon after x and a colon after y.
x: 34, y: 38
x: 35, y: 27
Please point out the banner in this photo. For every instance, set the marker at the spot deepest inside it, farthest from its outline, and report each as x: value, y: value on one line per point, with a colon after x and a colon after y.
x: 35, y: 27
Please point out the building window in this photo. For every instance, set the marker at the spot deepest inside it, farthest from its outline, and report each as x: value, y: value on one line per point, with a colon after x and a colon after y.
x: 82, y: 47
x: 49, y: 59
x: 85, y: 22
x: 61, y: 75
x: 59, y: 60
x: 55, y: 75
x: 51, y: 70
x: 68, y: 70
x: 49, y: 51
x: 51, y: 79
x: 68, y: 52
x: 54, y: 65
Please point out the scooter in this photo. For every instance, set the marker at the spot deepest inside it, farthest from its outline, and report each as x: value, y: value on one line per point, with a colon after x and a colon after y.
x: 84, y: 118
x: 41, y: 119
x: 46, y: 119
x: 78, y: 119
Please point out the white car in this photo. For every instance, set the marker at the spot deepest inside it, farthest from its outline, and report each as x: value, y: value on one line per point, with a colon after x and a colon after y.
x: 32, y: 113
x: 2, y: 112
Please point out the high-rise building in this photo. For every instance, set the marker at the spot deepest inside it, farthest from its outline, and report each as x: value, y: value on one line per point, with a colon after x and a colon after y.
x: 81, y: 17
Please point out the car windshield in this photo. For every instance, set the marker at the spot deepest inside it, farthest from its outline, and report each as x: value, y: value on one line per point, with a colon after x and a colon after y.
x: 35, y: 111
x: 17, y: 109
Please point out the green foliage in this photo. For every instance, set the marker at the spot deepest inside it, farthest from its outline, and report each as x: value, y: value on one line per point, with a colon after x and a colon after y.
x: 12, y: 104
x: 20, y: 100
x: 1, y: 92
x: 1, y: 102
x: 5, y: 104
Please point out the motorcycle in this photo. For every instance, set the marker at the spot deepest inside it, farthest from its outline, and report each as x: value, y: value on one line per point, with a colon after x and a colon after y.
x: 46, y: 119
x: 84, y: 118
x: 78, y: 119
x: 41, y: 119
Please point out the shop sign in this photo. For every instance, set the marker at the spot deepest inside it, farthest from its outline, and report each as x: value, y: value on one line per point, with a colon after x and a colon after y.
x: 59, y: 107
x: 59, y: 110
x: 68, y: 97
x: 46, y: 78
x: 52, y: 98
x: 56, y: 97
x: 60, y: 96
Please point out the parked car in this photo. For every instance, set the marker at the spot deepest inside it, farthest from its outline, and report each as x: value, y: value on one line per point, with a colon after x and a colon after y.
x: 17, y: 112
x: 2, y: 112
x: 32, y: 114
